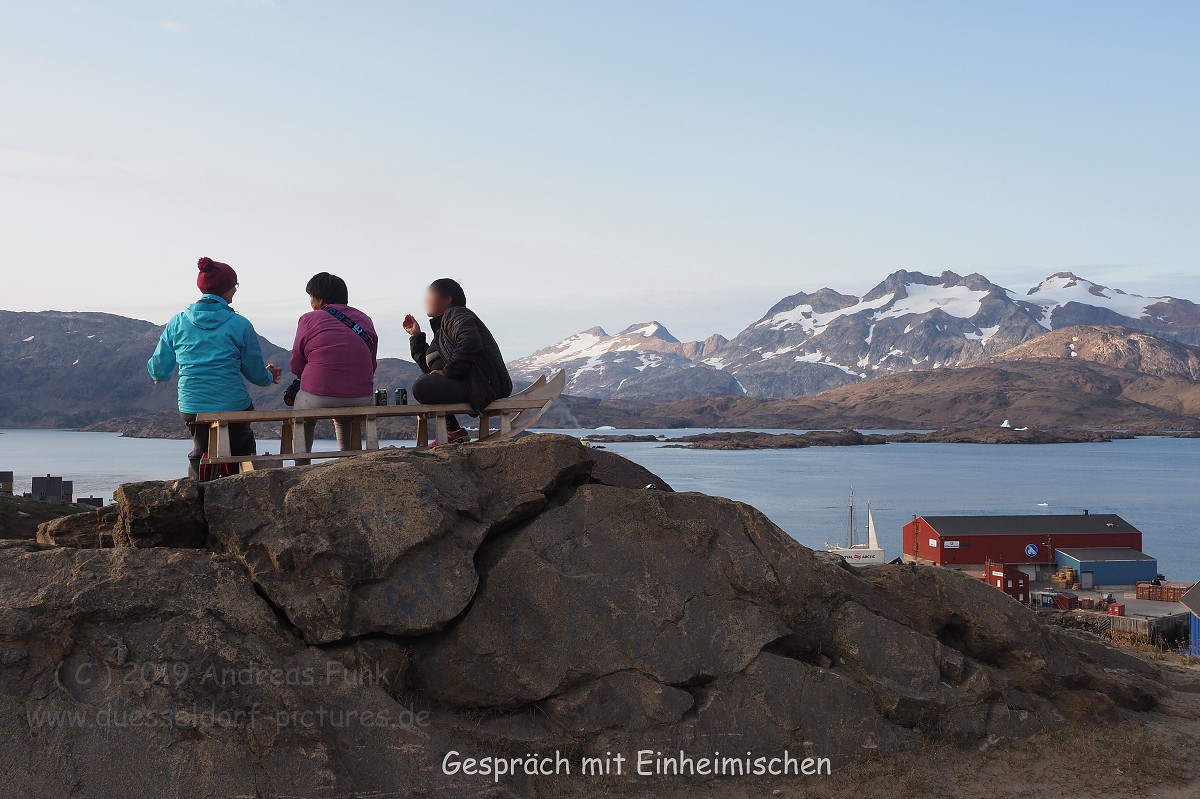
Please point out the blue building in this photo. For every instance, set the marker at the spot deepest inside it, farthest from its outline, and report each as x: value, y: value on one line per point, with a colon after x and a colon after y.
x: 1100, y: 566
x: 1191, y: 601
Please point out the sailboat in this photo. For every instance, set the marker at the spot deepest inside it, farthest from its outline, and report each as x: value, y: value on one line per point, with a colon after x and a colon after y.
x: 867, y: 553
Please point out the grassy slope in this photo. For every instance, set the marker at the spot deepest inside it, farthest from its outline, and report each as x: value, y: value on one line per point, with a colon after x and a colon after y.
x: 19, y: 518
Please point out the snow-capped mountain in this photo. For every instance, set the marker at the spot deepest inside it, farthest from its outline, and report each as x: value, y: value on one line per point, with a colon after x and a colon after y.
x: 1066, y: 300
x: 643, y: 361
x: 810, y: 342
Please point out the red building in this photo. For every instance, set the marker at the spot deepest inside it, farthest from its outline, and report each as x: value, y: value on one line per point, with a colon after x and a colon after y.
x: 972, y: 542
x: 1013, y: 582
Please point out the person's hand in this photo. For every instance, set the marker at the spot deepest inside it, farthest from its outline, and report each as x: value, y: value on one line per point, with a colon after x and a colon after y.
x: 436, y: 372
x: 275, y: 371
x: 410, y: 325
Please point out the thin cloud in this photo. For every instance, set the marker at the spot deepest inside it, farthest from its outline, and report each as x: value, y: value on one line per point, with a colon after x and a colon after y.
x: 172, y: 26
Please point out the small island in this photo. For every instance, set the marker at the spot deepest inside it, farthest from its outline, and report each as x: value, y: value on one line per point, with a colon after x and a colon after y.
x: 743, y: 440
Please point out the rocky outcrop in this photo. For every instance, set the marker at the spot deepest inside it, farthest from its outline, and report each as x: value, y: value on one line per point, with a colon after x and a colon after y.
x: 350, y: 624
x: 1119, y: 347
x: 612, y: 470
x: 384, y: 543
x: 92, y: 529
x: 147, y: 514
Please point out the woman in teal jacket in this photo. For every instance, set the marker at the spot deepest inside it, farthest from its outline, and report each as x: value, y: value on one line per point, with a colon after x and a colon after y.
x: 214, y: 349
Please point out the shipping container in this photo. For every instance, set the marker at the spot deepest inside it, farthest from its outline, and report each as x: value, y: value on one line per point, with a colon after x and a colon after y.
x: 1116, y: 610
x: 1165, y: 592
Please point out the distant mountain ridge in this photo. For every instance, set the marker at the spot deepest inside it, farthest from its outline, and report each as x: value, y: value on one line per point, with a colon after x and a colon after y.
x: 72, y: 369
x: 632, y: 364
x: 810, y: 342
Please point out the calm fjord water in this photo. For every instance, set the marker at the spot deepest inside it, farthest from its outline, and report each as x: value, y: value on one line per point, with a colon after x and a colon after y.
x: 1152, y: 482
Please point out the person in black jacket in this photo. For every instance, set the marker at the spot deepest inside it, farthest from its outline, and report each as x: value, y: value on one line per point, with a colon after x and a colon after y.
x: 462, y: 363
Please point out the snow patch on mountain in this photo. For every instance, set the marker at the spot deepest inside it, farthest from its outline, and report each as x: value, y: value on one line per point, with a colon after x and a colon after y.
x: 984, y: 334
x: 959, y: 301
x: 814, y: 323
x: 1063, y: 288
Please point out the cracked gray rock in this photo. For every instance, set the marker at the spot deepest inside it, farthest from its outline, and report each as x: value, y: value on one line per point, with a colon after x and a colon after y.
x: 525, y: 595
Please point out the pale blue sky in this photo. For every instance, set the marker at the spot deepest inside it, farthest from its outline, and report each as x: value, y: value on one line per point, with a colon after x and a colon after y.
x: 601, y: 163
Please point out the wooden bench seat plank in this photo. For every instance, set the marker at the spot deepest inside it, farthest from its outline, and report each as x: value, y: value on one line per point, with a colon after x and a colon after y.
x: 514, y: 414
x: 291, y: 456
x: 381, y: 411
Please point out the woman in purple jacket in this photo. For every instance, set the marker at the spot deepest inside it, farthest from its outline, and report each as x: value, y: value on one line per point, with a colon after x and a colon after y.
x: 334, y: 354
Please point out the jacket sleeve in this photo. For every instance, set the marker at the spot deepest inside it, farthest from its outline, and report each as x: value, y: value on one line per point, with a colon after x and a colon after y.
x: 298, y: 358
x: 463, y: 334
x: 418, y: 345
x: 162, y: 363
x: 253, y: 367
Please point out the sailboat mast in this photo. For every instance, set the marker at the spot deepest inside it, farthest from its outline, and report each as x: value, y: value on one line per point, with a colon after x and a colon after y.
x: 851, y: 518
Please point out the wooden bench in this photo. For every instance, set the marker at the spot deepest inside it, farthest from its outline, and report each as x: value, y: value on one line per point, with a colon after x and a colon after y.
x: 512, y: 415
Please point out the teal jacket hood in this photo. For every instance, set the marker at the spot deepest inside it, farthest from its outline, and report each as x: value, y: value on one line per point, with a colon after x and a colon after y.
x: 210, y: 312
x: 216, y: 350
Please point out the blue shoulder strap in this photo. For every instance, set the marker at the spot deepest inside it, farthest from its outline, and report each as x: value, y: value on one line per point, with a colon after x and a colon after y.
x: 350, y: 323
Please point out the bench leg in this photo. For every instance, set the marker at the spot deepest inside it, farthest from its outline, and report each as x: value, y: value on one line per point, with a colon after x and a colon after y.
x: 485, y: 425
x: 221, y: 429
x: 442, y: 433
x: 286, y: 436
x: 505, y: 423
x: 356, y: 435
x: 214, y: 439
x: 422, y: 431
x: 372, y: 434
x: 299, y: 445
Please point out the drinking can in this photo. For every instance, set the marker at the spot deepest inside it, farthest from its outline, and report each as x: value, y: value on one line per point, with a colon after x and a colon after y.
x: 381, y: 396
x: 402, y: 396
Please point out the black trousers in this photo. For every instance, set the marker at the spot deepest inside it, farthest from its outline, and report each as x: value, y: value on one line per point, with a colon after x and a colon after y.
x: 441, y: 390
x: 241, y: 441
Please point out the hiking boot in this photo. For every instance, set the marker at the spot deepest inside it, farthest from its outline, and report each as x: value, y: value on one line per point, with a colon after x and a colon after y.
x: 459, y: 436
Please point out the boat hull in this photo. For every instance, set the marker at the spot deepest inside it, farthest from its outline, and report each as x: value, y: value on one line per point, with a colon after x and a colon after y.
x: 860, y: 556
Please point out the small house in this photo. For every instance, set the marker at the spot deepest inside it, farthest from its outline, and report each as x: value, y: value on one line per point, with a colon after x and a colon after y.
x: 52, y: 490
x: 1013, y: 582
x: 1191, y: 601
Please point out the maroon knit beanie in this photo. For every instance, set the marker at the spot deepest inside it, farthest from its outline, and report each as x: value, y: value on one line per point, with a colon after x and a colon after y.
x: 215, y: 277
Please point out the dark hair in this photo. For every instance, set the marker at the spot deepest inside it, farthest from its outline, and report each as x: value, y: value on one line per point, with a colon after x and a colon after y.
x: 449, y: 287
x: 328, y: 288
